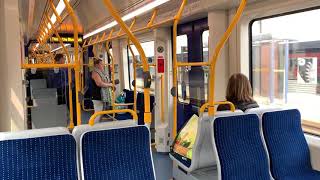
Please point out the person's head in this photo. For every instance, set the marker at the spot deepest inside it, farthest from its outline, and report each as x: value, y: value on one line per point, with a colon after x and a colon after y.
x: 239, y: 89
x: 59, y: 59
x: 98, y: 63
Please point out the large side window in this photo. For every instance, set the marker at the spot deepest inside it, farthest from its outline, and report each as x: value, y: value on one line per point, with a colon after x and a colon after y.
x: 148, y: 48
x: 285, y: 54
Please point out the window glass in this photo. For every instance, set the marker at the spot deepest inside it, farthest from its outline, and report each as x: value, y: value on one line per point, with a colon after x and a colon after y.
x: 205, y: 58
x: 286, y: 62
x: 205, y: 46
x: 148, y: 48
x: 183, y: 74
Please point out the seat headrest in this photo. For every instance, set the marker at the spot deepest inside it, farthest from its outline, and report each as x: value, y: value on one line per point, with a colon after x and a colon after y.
x: 34, y: 133
x: 79, y: 130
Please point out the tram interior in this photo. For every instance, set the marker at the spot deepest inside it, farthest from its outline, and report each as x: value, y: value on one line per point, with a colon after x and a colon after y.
x: 164, y: 68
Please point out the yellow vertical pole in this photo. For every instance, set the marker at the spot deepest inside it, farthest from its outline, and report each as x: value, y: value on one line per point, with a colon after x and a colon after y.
x: 216, y: 54
x: 71, y: 124
x: 112, y: 74
x: 55, y: 11
x: 175, y: 67
x: 77, y: 62
x: 162, y: 99
x: 134, y: 63
x: 113, y: 12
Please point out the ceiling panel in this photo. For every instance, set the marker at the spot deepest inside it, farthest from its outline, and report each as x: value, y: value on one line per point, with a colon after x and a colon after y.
x: 92, y: 13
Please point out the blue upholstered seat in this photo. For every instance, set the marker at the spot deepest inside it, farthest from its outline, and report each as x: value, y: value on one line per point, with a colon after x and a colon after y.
x: 240, y: 148
x: 288, y: 149
x: 51, y: 157
x: 117, y: 154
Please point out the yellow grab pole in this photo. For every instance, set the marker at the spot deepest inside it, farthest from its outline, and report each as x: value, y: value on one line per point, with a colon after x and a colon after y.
x: 110, y: 34
x: 134, y: 63
x: 55, y: 11
x: 175, y: 67
x: 154, y: 14
x: 77, y: 62
x: 93, y: 117
x: 132, y: 23
x: 71, y: 125
x: 162, y: 99
x: 153, y: 26
x: 103, y: 36
x: 84, y: 43
x: 112, y: 73
x: 192, y: 64
x: 113, y: 12
x: 216, y: 54
x: 47, y: 66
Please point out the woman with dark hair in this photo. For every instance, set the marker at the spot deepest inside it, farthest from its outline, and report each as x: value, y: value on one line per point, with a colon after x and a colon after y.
x: 239, y: 92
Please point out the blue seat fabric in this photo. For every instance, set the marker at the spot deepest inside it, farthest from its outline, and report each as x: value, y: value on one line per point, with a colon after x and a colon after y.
x: 51, y: 158
x: 117, y: 154
x: 288, y: 149
x: 241, y: 152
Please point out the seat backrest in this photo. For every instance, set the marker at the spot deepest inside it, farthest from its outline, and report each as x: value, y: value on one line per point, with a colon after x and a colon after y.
x: 117, y: 151
x: 38, y: 154
x: 288, y: 149
x: 203, y: 154
x: 239, y: 147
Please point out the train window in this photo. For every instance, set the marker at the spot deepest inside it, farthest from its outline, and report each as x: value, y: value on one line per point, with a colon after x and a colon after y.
x: 205, y: 46
x: 148, y: 48
x: 183, y: 75
x: 182, y: 48
x: 285, y: 54
x: 205, y: 58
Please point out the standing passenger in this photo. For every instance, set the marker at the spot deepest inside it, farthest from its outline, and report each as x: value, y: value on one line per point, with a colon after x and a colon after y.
x: 102, y: 88
x: 58, y: 78
x: 239, y: 92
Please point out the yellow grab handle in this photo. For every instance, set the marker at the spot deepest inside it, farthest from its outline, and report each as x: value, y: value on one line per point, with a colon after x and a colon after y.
x: 206, y: 105
x: 93, y: 117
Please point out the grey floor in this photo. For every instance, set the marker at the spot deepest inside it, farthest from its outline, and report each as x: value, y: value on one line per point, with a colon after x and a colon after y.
x: 162, y: 165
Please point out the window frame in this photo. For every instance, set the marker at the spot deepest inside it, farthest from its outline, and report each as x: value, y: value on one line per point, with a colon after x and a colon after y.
x: 308, y: 126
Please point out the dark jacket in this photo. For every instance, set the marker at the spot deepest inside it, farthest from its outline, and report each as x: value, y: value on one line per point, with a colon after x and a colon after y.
x: 243, y: 106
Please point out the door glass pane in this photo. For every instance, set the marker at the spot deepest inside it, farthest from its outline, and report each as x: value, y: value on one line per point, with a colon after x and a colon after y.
x: 148, y: 48
x: 183, y: 72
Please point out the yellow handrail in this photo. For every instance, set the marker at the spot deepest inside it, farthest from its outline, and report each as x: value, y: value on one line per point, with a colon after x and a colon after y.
x: 206, y: 105
x: 135, y: 41
x: 112, y: 74
x: 55, y: 11
x: 134, y: 63
x: 153, y: 26
x: 175, y: 67
x: 77, y: 61
x: 47, y: 66
x: 71, y: 124
x: 216, y: 54
x: 93, y: 117
x: 162, y: 98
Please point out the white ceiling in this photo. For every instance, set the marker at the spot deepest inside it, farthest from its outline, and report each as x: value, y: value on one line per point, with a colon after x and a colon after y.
x: 93, y: 14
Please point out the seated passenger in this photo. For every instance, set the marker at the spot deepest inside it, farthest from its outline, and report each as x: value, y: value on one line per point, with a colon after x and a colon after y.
x: 239, y: 92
